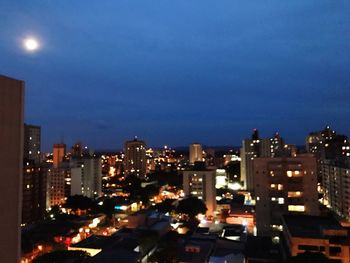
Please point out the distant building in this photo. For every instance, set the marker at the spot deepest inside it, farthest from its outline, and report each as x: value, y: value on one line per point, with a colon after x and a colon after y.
x: 201, y: 184
x: 11, y: 156
x: 58, y: 181
x: 335, y: 178
x: 316, y: 234
x: 251, y: 149
x: 284, y: 185
x: 135, y: 158
x: 59, y: 151
x: 196, y: 153
x: 77, y: 150
x: 34, y: 179
x: 86, y: 176
x: 34, y: 192
x: 32, y: 141
x: 327, y: 144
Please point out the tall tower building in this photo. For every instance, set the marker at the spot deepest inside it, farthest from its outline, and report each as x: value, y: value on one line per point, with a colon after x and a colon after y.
x: 32, y: 141
x: 34, y: 179
x: 34, y: 192
x: 135, y: 157
x: 251, y: 149
x: 196, y: 153
x: 86, y: 176
x: 201, y: 184
x: 11, y: 156
x: 284, y: 185
x: 59, y: 151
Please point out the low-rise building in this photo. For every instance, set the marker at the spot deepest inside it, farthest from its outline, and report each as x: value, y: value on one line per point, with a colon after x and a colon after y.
x: 316, y: 234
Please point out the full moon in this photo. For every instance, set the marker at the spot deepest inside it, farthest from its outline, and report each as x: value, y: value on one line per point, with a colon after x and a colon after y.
x: 31, y: 44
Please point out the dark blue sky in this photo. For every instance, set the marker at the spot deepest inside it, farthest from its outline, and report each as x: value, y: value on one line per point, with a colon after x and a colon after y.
x: 174, y: 72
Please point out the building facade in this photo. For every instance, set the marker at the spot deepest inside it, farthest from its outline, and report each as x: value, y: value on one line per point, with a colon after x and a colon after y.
x: 284, y: 185
x: 335, y: 187
x: 251, y: 149
x: 86, y: 176
x: 201, y: 184
x: 135, y: 158
x: 34, y: 192
x: 11, y: 156
x: 195, y: 153
x: 32, y: 143
x: 59, y: 152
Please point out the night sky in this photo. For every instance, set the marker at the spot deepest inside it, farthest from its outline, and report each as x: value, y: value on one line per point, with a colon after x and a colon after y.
x: 179, y: 71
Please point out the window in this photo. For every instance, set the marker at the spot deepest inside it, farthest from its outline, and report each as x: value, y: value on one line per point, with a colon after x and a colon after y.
x: 296, y: 208
x: 294, y: 194
x: 334, y: 251
x: 308, y: 248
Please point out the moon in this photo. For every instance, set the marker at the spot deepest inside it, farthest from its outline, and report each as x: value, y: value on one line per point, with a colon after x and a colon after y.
x: 31, y: 44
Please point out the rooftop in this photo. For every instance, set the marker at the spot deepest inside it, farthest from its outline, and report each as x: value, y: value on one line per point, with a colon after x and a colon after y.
x: 312, y: 226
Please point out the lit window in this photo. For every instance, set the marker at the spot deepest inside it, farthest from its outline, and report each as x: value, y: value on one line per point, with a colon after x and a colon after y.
x: 296, y: 208
x: 281, y: 200
x: 289, y: 173
x: 294, y: 194
x: 273, y: 186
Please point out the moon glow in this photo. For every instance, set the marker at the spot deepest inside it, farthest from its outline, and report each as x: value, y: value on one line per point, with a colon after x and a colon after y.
x: 31, y: 44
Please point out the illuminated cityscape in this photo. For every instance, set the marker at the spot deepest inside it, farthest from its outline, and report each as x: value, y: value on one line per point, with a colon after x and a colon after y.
x: 174, y: 132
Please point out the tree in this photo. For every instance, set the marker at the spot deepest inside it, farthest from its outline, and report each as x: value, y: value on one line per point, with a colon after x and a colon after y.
x: 191, y: 206
x: 61, y: 256
x: 166, y: 206
x: 108, y: 207
x: 81, y: 202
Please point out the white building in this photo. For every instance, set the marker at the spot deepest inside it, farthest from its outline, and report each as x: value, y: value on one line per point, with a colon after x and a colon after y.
x: 201, y: 184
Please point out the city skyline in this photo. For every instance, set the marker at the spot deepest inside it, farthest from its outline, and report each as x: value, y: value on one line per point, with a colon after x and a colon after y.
x: 178, y: 73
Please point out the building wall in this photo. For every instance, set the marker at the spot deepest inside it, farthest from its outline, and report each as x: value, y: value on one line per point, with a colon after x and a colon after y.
x: 284, y: 185
x: 135, y: 158
x: 336, y: 182
x: 298, y: 245
x: 76, y: 180
x: 11, y: 156
x: 250, y: 150
x: 196, y: 153
x: 32, y: 143
x: 57, y: 186
x: 59, y: 151
x: 86, y: 177
x: 34, y: 192
x: 202, y: 185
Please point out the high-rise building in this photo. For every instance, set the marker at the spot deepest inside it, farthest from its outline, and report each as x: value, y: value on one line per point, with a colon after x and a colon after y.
x: 11, y: 156
x: 34, y: 192
x: 335, y: 178
x: 252, y: 148
x: 77, y: 150
x: 57, y: 185
x: 34, y: 179
x: 276, y: 145
x: 327, y: 144
x: 284, y: 185
x: 59, y: 151
x: 196, y: 153
x: 135, y: 158
x: 32, y: 141
x: 201, y: 184
x: 86, y: 176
